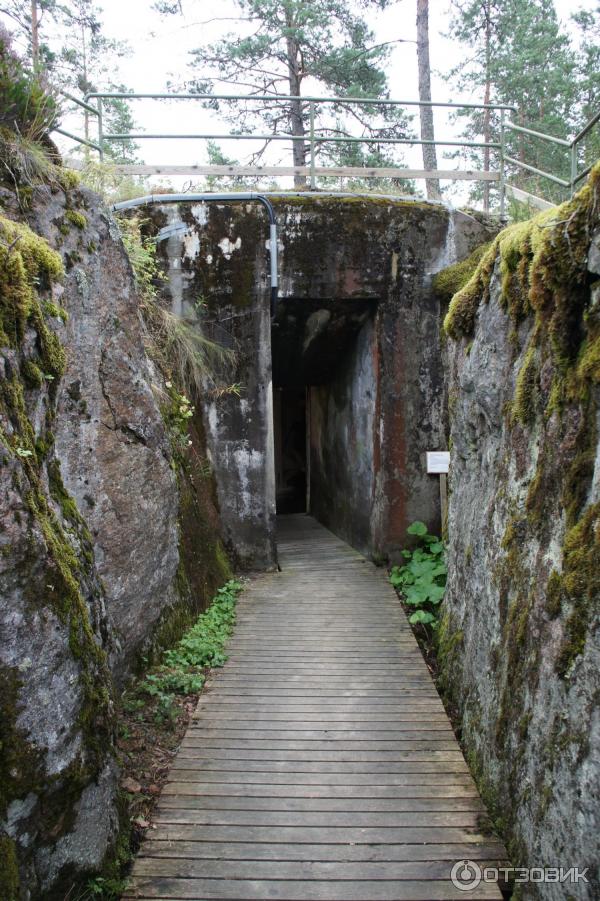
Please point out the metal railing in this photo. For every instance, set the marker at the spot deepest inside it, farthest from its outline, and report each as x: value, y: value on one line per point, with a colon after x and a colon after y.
x: 572, y: 146
x: 314, y: 139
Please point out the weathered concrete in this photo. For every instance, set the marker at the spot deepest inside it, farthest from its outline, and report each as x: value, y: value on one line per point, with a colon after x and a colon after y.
x: 342, y: 261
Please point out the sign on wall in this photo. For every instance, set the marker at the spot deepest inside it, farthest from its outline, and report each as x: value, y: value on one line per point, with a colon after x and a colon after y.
x: 438, y: 461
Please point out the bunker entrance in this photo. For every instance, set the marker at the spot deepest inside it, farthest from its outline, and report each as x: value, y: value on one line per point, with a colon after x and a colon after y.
x: 324, y: 388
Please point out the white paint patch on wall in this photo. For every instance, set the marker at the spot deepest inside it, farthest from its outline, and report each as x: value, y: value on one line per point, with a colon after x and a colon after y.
x: 191, y: 245
x: 246, y: 462
x: 200, y: 213
x: 228, y: 247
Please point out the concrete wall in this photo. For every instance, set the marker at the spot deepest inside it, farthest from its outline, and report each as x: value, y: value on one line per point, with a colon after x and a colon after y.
x: 339, y: 256
x: 342, y: 429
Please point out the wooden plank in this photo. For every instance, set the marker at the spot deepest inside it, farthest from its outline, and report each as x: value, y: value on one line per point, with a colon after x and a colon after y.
x: 241, y: 851
x: 309, y: 819
x: 332, y: 752
x: 143, y: 888
x: 325, y: 835
x: 441, y: 772
x: 299, y: 769
x: 307, y: 870
x: 326, y: 171
x: 425, y: 785
x: 468, y: 801
x: 525, y: 197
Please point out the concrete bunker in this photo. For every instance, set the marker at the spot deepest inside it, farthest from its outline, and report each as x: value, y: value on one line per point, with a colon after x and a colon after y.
x: 342, y: 394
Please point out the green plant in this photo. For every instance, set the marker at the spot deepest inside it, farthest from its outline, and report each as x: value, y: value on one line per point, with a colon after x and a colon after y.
x: 182, y: 671
x: 422, y: 579
x: 177, y: 412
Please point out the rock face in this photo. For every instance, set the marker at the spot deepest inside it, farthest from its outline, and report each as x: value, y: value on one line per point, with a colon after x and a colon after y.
x: 521, y: 638
x: 91, y: 567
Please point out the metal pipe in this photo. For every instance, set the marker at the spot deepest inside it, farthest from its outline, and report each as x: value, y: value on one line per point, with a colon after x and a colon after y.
x: 285, y: 98
x: 86, y: 106
x: 101, y: 128
x: 502, y: 166
x: 67, y: 134
x: 573, y: 180
x: 554, y: 178
x: 537, y: 134
x: 222, y: 198
x: 586, y: 128
x: 585, y: 172
x: 313, y: 179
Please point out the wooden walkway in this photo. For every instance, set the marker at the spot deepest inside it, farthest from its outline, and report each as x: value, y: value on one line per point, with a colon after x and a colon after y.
x: 320, y: 763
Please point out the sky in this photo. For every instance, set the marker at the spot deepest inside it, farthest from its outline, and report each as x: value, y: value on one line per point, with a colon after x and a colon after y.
x: 160, y: 52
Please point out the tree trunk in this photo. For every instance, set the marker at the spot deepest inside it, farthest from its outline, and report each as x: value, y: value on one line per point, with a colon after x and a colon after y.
x: 426, y: 112
x: 35, y: 35
x: 486, y: 100
x: 296, y: 120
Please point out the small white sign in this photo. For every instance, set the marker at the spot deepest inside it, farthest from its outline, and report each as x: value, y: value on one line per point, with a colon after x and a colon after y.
x: 438, y: 461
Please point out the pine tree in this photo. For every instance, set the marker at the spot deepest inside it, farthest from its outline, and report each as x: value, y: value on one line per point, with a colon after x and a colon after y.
x: 519, y: 57
x: 426, y: 112
x: 27, y: 19
x: 290, y: 42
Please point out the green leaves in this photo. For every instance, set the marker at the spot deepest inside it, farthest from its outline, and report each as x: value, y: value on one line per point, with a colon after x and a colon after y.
x: 182, y: 670
x: 417, y: 528
x: 421, y: 581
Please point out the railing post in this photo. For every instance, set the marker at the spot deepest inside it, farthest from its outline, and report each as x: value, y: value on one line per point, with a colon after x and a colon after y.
x: 100, y: 130
x: 313, y: 178
x: 502, y: 173
x: 573, y: 166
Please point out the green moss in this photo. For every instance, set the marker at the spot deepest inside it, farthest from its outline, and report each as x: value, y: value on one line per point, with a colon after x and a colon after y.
x: 461, y: 316
x: 581, y: 583
x: 588, y: 365
x: 526, y: 391
x: 69, y: 179
x: 10, y: 883
x: 76, y: 219
x: 26, y: 260
x: 32, y: 374
x: 554, y: 592
x: 52, y: 309
x: 543, y: 269
x: 450, y: 280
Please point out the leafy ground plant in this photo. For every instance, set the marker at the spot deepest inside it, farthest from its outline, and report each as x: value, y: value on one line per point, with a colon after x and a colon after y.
x: 421, y: 581
x: 182, y: 671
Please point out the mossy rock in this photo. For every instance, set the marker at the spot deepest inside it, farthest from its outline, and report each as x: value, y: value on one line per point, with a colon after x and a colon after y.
x: 450, y: 280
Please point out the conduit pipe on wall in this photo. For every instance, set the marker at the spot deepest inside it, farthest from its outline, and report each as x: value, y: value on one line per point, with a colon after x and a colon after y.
x: 218, y: 198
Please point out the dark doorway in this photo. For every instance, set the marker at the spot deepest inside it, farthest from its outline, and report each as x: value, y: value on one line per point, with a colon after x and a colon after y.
x: 290, y: 449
